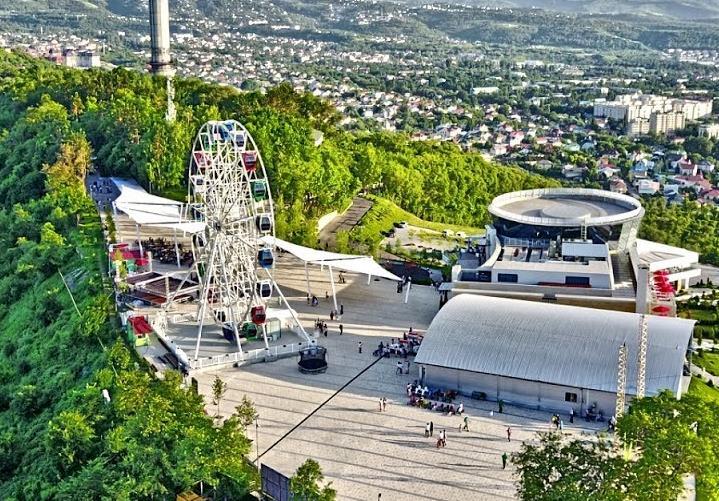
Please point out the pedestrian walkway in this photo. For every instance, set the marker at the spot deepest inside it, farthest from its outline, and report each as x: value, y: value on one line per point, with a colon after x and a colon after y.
x: 344, y: 222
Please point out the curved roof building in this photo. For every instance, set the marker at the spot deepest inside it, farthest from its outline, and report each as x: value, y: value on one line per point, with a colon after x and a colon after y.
x: 573, y: 246
x: 548, y: 355
x: 567, y: 207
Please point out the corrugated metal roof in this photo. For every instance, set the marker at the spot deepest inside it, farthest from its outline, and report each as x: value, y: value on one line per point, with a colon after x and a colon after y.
x: 552, y: 343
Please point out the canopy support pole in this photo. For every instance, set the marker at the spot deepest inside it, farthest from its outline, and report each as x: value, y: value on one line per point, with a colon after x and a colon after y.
x: 139, y: 242
x: 406, y: 296
x: 307, y: 279
x: 334, y: 292
x: 264, y: 335
x: 369, y: 279
x: 177, y: 250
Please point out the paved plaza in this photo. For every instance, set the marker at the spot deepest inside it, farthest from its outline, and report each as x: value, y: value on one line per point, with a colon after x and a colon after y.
x: 363, y: 451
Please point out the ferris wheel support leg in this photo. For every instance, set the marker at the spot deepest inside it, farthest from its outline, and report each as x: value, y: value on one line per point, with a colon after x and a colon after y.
x: 203, y: 301
x: 289, y: 308
x: 264, y: 336
x: 177, y: 250
x: 334, y: 292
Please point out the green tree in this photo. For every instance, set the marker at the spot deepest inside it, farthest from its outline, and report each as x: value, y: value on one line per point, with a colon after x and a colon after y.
x: 306, y: 483
x: 219, y: 388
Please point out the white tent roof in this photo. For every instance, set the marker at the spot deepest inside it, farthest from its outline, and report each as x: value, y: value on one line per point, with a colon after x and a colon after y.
x: 151, y: 210
x: 345, y: 262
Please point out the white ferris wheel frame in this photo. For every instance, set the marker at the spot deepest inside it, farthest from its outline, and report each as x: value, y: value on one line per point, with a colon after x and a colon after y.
x: 220, y: 194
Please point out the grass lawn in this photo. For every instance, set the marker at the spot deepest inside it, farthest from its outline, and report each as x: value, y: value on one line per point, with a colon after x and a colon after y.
x: 705, y: 392
x: 175, y: 193
x: 708, y: 361
x: 701, y: 315
x: 702, y: 390
x: 385, y: 213
x: 381, y: 218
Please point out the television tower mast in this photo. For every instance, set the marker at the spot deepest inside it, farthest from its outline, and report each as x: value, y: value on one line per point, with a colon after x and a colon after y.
x: 160, y: 59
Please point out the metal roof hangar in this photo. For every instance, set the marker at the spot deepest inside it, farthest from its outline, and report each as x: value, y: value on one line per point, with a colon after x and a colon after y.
x: 548, y: 356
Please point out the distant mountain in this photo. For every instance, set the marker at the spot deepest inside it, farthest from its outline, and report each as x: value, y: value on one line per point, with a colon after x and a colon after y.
x: 668, y: 9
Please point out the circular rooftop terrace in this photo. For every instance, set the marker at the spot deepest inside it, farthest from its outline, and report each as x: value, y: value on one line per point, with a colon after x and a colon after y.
x: 567, y: 207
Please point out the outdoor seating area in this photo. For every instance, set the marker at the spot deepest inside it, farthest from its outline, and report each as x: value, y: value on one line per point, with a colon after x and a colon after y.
x: 400, y: 347
x: 127, y: 260
x: 164, y: 251
x: 434, y: 399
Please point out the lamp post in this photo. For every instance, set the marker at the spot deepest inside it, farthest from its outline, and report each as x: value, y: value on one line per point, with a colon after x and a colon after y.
x: 257, y: 442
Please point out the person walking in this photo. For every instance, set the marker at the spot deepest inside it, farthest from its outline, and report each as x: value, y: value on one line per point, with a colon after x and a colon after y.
x: 341, y: 329
x: 561, y: 425
x: 406, y: 367
x: 509, y: 434
x: 380, y: 405
x: 342, y: 309
x: 504, y: 460
x: 426, y: 430
x: 359, y: 347
x: 466, y: 423
x: 431, y: 428
x: 384, y: 404
x: 398, y: 370
x: 444, y: 438
x: 332, y: 315
x: 571, y: 415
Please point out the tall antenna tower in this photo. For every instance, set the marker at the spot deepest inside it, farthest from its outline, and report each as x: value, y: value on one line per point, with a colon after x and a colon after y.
x: 621, y: 380
x: 642, y: 358
x: 160, y: 57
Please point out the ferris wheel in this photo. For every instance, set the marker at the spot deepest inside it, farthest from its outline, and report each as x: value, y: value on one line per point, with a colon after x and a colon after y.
x: 228, y: 190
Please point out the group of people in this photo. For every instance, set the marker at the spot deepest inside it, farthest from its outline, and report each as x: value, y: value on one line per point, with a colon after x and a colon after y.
x: 392, y: 348
x: 102, y: 193
x: 334, y: 314
x: 557, y: 422
x: 416, y: 389
x: 441, y: 437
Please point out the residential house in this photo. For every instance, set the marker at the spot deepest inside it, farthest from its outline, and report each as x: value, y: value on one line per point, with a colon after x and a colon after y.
x: 544, y: 164
x: 686, y: 167
x: 617, y: 185
x: 647, y: 187
x: 498, y: 149
x: 706, y: 167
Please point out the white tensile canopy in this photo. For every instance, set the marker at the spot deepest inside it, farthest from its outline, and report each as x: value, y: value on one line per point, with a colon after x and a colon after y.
x: 334, y: 261
x: 346, y: 262
x: 151, y: 210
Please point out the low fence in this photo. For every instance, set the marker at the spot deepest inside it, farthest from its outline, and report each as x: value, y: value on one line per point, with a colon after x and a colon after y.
x: 248, y: 357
